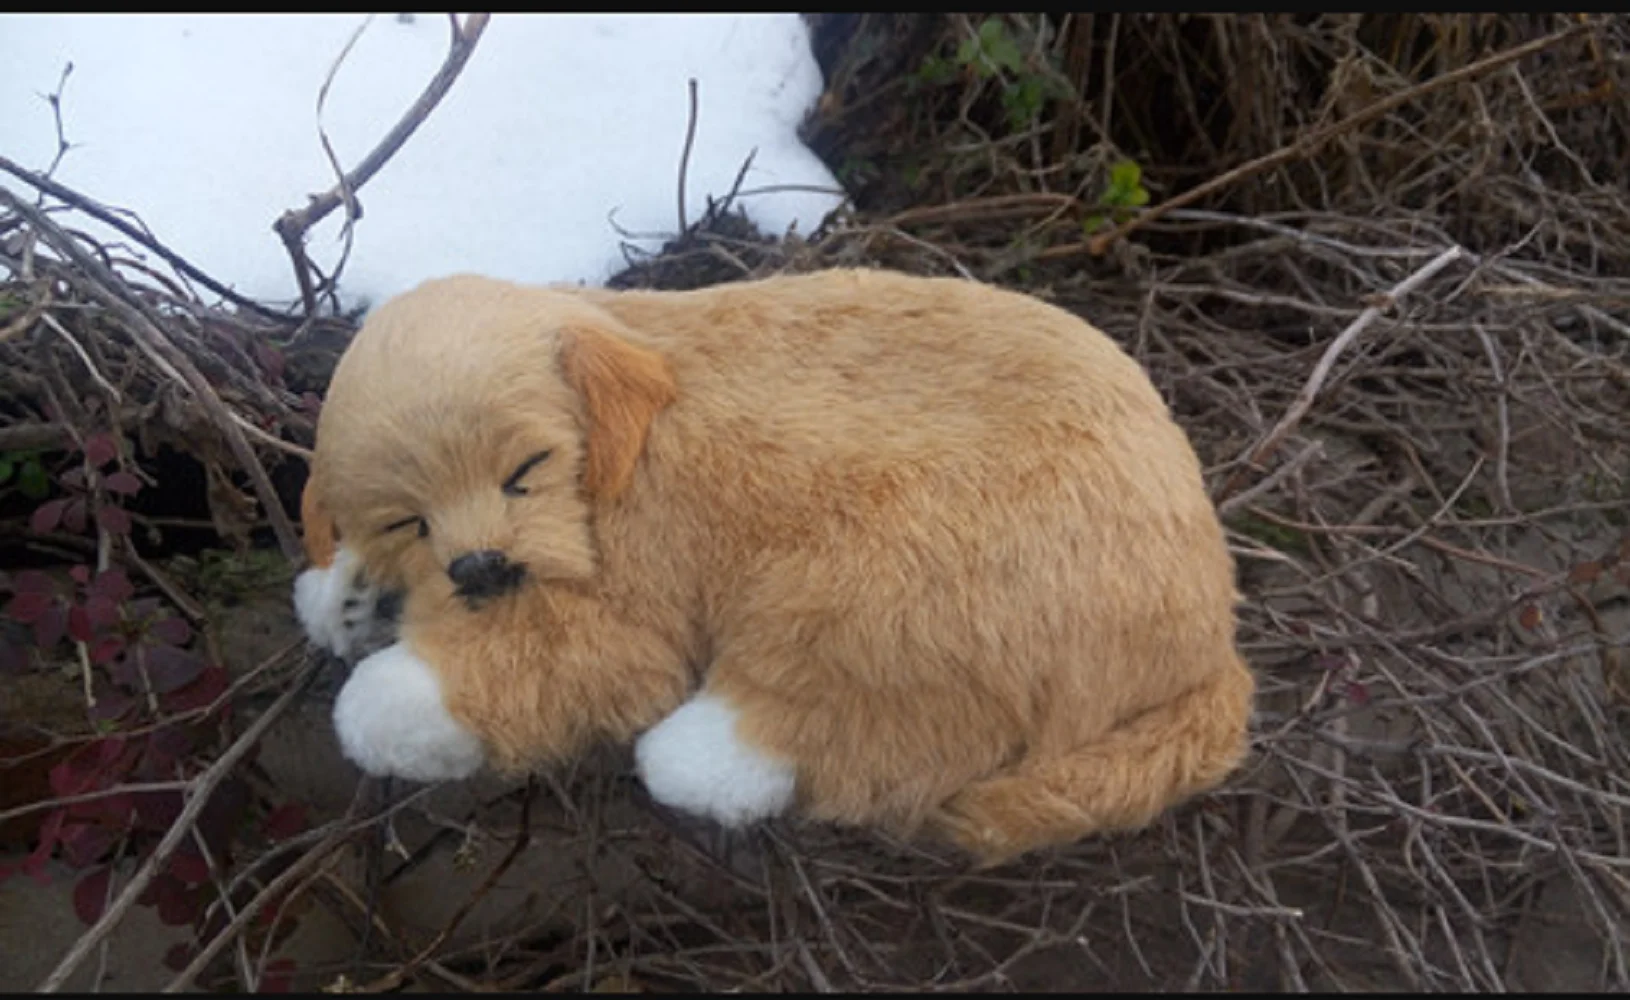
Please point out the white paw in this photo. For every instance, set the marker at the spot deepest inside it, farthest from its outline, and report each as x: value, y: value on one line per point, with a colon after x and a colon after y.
x: 337, y: 605
x: 392, y: 722
x: 692, y: 761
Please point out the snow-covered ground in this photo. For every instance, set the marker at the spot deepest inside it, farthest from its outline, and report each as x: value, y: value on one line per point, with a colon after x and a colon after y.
x: 560, y: 129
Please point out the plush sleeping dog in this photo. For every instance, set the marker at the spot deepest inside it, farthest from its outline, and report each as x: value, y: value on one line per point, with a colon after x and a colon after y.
x: 863, y: 547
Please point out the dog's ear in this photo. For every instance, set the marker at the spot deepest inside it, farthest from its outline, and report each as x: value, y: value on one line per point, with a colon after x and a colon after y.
x: 623, y: 388
x: 320, y: 536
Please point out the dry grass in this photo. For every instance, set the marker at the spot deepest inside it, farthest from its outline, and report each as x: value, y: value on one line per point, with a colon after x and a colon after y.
x: 1400, y: 337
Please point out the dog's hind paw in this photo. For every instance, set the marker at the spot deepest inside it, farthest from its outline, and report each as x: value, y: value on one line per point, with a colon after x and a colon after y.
x: 694, y: 762
x: 341, y: 610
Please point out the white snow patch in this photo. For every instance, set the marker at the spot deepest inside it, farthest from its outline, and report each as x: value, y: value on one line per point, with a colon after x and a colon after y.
x: 206, y: 126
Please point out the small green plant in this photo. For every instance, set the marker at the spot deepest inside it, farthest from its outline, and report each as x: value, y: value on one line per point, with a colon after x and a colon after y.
x: 994, y: 54
x: 1124, y: 193
x: 25, y: 471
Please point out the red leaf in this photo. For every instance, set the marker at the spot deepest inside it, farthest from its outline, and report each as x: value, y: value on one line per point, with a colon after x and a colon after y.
x: 116, y: 811
x: 112, y: 584
x: 114, y: 520
x: 111, y: 706
x: 28, y: 606
x: 74, y: 517
x: 91, y: 895
x: 50, y: 627
x: 67, y: 779
x: 278, y: 976
x: 47, y: 516
x: 123, y: 483
x: 84, y: 844
x: 287, y: 820
x: 171, y: 669
x: 157, y: 810
x: 79, y: 624
x: 100, y: 449
x: 189, y: 868
x: 210, y: 685
x: 49, y: 831
x: 172, y: 631
x: 145, y: 607
x: 222, y: 816
x: 102, y: 612
x: 178, y: 906
x: 74, y: 478
x: 80, y: 574
x: 1530, y: 617
x: 109, y: 749
x: 172, y: 742
x: 105, y: 651
x: 178, y: 956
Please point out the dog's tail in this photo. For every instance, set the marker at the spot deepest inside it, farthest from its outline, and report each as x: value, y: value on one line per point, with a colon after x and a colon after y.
x: 1121, y: 782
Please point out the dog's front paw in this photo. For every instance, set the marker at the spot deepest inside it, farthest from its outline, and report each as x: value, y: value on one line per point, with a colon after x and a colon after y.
x: 392, y: 721
x: 340, y: 609
x: 692, y: 761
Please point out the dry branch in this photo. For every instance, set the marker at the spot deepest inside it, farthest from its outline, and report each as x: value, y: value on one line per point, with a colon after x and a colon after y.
x: 68, y: 196
x: 292, y: 225
x: 148, y: 331
x: 202, y: 787
x: 1264, y: 448
x: 1432, y: 585
x: 1313, y: 141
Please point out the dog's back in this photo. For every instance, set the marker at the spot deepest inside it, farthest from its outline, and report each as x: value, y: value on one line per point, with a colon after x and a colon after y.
x: 949, y: 545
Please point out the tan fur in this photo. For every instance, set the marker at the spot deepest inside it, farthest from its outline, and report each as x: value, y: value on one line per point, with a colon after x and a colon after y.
x: 622, y: 388
x: 318, y: 525
x: 941, y: 544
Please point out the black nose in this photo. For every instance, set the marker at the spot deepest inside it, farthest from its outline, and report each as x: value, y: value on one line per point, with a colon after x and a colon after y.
x: 487, y: 573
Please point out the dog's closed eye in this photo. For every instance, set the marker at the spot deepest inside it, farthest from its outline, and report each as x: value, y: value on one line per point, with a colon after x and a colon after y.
x: 424, y: 526
x: 512, y: 486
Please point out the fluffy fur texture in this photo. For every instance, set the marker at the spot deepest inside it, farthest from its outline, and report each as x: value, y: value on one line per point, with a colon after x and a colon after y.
x: 936, y: 546
x: 341, y: 610
x: 693, y: 761
x: 391, y: 719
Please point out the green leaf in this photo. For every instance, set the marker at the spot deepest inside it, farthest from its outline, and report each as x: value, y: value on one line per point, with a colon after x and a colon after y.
x: 935, y: 70
x: 1139, y: 197
x: 1125, y: 174
x: 33, y: 481
x: 6, y: 467
x: 1093, y: 224
x: 1004, y: 52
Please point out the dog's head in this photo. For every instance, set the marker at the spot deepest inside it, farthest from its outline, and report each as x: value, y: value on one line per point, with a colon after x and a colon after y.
x: 470, y: 431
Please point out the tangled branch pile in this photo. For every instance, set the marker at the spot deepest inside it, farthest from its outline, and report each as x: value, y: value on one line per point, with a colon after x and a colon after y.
x: 1376, y: 263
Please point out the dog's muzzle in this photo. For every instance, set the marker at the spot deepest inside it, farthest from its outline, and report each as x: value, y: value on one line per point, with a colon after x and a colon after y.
x: 487, y: 573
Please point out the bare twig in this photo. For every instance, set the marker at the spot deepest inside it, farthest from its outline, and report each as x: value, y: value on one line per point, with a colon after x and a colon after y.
x: 69, y: 196
x: 150, y: 336
x: 1321, y: 371
x: 292, y: 225
x: 1312, y: 142
x: 684, y: 155
x: 200, y: 791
